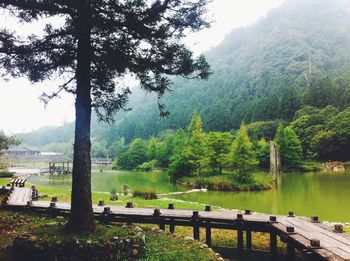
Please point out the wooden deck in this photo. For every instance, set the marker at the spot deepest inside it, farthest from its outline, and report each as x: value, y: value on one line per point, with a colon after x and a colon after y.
x: 314, y: 239
x: 19, y: 196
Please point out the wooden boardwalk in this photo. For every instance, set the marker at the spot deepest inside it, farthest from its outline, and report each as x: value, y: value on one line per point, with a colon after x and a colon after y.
x: 311, y: 237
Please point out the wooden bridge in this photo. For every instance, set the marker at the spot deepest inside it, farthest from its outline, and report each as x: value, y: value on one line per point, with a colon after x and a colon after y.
x: 312, y: 238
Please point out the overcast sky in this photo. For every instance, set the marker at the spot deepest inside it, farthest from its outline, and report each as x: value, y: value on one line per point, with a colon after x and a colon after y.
x: 21, y: 110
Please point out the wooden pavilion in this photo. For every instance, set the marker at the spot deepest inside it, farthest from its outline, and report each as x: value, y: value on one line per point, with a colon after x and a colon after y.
x: 59, y: 165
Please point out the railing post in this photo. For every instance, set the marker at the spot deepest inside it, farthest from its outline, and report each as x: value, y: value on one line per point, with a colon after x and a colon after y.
x: 240, y: 236
x: 208, y: 233
x: 290, y: 251
x: 273, y: 245
x: 249, y: 239
x: 51, y: 210
x: 161, y: 224
x: 172, y: 226
x: 105, y: 218
x: 156, y: 216
x: 195, y: 220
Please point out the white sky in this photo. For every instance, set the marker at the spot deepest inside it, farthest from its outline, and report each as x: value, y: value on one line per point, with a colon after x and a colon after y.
x: 21, y: 110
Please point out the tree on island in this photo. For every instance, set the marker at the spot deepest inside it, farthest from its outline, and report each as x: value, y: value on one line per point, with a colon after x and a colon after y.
x: 95, y: 44
x: 263, y: 154
x: 290, y: 147
x: 179, y: 166
x: 218, y: 144
x: 195, y: 151
x: 241, y: 158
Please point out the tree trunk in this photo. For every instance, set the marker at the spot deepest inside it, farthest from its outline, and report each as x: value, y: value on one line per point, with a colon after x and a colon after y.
x: 81, y: 218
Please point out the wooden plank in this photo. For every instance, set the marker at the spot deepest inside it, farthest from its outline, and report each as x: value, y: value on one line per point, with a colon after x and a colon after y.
x: 327, y: 241
x: 304, y: 241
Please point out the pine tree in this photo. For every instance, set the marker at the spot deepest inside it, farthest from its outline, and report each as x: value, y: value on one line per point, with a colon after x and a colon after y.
x: 178, y: 165
x: 195, y: 151
x: 165, y: 148
x: 91, y: 51
x: 152, y: 149
x: 279, y: 138
x: 292, y: 153
x: 241, y: 158
x: 218, y: 145
x: 263, y: 153
x: 289, y: 146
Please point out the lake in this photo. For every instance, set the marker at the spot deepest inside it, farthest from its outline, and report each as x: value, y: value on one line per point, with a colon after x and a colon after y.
x: 324, y: 194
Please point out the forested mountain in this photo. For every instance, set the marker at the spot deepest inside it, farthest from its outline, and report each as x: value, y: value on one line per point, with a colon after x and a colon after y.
x: 298, y: 55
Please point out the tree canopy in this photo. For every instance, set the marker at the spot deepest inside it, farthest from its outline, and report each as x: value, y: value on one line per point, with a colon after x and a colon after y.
x: 97, y: 44
x: 7, y: 141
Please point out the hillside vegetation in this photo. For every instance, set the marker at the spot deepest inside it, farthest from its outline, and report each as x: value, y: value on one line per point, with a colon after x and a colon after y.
x: 296, y: 57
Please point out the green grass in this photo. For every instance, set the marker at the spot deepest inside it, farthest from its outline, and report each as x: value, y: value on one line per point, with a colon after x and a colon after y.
x: 309, y: 165
x: 64, y: 195
x: 228, y: 182
x: 159, y: 245
x: 166, y: 247
x: 347, y: 229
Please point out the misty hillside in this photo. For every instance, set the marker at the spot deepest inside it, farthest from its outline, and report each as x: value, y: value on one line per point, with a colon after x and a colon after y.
x: 264, y: 71
x: 298, y: 55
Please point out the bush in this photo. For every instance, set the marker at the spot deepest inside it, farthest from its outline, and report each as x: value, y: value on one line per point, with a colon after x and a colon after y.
x: 147, y: 166
x: 259, y: 181
x: 145, y: 194
x: 6, y: 174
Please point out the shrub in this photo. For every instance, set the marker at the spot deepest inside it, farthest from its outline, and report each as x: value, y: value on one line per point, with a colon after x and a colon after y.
x: 145, y: 194
x: 6, y: 174
x: 147, y: 166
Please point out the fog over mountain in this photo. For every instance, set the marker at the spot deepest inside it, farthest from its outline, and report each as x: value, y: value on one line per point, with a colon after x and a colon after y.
x: 298, y: 55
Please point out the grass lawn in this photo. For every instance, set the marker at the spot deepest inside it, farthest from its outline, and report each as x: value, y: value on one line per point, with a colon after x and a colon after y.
x: 64, y: 196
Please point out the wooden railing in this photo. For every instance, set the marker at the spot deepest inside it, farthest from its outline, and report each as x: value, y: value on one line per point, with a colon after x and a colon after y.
x: 312, y: 238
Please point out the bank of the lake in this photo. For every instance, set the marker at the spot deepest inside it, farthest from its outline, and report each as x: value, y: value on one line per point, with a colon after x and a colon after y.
x: 259, y: 181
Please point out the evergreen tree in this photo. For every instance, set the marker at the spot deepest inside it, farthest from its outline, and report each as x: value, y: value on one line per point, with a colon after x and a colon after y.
x: 152, y: 149
x: 241, y: 158
x: 218, y: 145
x: 263, y: 154
x: 178, y: 165
x: 165, y: 149
x: 279, y: 138
x: 289, y: 104
x: 289, y: 146
x: 292, y: 153
x: 325, y: 144
x: 134, y: 156
x: 95, y: 46
x: 195, y: 151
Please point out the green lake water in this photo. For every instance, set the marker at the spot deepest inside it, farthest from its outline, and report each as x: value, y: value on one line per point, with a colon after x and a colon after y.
x: 106, y: 181
x: 322, y: 194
